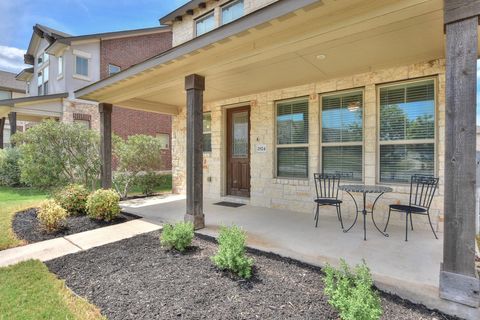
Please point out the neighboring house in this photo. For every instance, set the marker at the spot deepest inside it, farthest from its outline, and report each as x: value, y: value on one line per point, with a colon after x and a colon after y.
x: 10, y: 88
x: 62, y: 63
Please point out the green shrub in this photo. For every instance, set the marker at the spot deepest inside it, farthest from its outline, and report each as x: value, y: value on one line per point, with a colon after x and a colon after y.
x: 231, y: 252
x: 9, y: 167
x: 103, y: 205
x: 148, y: 182
x: 51, y: 215
x: 178, y: 236
x: 73, y: 198
x: 351, y: 293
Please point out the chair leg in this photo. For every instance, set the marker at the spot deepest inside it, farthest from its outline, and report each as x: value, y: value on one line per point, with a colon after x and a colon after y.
x: 406, y: 226
x: 411, y: 222
x: 339, y: 212
x: 316, y: 216
x: 388, y: 220
x: 431, y: 226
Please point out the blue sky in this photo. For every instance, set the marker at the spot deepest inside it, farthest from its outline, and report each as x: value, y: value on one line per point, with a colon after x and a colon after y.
x: 76, y: 17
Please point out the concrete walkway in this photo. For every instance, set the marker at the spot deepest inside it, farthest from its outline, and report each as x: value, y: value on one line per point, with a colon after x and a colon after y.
x: 51, y: 249
x: 408, y: 269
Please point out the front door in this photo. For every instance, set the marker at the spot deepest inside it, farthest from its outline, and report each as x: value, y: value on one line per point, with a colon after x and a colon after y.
x: 238, y: 151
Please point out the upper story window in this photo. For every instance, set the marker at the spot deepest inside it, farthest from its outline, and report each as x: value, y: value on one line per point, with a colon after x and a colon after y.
x: 232, y: 11
x: 60, y: 65
x: 81, y: 66
x: 42, y: 58
x: 205, y: 24
x: 42, y: 82
x: 112, y: 69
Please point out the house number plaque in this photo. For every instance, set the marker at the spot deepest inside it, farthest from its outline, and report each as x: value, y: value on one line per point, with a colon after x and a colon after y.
x: 261, y: 148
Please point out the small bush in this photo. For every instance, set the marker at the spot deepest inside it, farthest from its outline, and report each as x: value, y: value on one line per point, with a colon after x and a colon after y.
x: 51, y: 215
x: 73, y: 198
x: 148, y: 182
x: 9, y: 167
x: 351, y: 293
x: 231, y: 252
x: 103, y: 205
x: 178, y: 236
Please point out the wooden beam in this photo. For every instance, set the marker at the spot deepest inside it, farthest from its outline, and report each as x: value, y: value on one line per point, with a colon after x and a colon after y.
x: 456, y: 10
x: 458, y: 281
x: 2, y: 128
x: 195, y: 85
x: 105, y: 110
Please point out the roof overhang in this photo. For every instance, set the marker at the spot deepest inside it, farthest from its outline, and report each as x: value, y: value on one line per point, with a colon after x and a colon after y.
x: 181, y: 11
x: 25, y: 75
x: 281, y: 46
x: 38, y: 106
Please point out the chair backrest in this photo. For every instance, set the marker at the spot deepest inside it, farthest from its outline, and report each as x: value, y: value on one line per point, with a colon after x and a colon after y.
x: 422, y: 190
x: 326, y: 185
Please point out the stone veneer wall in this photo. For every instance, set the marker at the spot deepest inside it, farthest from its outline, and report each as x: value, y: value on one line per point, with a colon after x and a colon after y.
x: 83, y: 107
x: 297, y: 194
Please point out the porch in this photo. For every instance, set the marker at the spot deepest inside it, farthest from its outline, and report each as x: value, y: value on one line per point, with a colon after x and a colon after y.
x: 408, y: 269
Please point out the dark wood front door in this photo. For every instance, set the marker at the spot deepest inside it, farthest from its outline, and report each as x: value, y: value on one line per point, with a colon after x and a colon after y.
x: 238, y: 152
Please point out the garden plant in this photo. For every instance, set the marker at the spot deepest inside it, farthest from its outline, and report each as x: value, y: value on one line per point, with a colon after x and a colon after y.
x: 51, y: 215
x: 73, y: 198
x: 103, y: 205
x: 178, y: 236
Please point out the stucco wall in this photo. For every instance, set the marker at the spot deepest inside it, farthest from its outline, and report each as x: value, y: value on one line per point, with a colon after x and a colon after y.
x: 297, y: 194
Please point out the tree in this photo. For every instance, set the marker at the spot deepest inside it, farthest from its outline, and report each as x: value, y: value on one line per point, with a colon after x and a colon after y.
x: 136, y: 156
x: 56, y: 154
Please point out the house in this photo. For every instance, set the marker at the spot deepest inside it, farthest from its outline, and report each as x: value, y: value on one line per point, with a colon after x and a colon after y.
x: 62, y: 63
x: 265, y: 93
x: 9, y: 88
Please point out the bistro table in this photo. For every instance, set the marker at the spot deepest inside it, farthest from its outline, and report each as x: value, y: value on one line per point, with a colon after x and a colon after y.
x: 364, y: 189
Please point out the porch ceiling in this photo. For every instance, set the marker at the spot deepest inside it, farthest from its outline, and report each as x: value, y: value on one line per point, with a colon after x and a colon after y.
x: 33, y: 108
x: 355, y: 36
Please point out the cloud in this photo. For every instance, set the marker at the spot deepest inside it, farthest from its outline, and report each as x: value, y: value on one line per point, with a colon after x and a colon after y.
x: 11, y: 59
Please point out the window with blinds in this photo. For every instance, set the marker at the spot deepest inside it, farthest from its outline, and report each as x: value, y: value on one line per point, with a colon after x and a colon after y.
x: 342, y: 135
x: 407, y: 131
x: 292, y: 139
x: 207, y: 132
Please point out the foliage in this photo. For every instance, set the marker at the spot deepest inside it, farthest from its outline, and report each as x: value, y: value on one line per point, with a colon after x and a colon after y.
x: 56, y: 154
x: 178, y: 236
x: 149, y: 182
x: 73, y: 198
x: 9, y: 167
x: 351, y: 293
x: 231, y: 252
x: 51, y: 215
x: 103, y: 205
x: 29, y: 291
x: 138, y: 155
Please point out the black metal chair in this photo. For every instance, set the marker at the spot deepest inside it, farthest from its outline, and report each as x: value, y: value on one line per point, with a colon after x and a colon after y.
x: 422, y: 191
x: 326, y: 186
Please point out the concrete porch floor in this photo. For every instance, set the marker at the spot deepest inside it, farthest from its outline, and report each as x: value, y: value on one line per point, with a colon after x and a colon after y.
x: 408, y: 269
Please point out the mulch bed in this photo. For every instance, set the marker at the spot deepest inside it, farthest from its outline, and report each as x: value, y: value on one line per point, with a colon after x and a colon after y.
x: 27, y: 227
x: 136, y: 279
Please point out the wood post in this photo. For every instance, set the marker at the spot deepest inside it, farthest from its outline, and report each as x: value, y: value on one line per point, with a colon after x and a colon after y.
x: 195, y: 85
x: 105, y: 110
x: 458, y: 279
x: 2, y: 129
x: 12, y: 120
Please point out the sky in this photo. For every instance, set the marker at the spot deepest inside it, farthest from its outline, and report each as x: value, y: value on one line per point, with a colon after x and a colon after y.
x: 76, y: 17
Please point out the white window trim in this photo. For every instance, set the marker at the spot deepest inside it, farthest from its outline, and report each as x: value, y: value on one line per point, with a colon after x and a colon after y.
x: 339, y: 144
x: 60, y: 74
x: 295, y: 145
x: 405, y: 142
x: 226, y: 5
x: 203, y: 17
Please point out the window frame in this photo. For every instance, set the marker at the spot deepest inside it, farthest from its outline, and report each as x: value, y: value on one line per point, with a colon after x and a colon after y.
x: 87, y: 57
x: 407, y: 142
x: 227, y: 5
x: 340, y: 144
x: 115, y: 66
x: 207, y: 132
x: 295, y: 145
x: 201, y: 18
x: 167, y: 135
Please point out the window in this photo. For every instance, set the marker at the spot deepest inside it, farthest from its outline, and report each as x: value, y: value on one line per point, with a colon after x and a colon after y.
x: 204, y: 24
x: 292, y: 139
x: 42, y: 82
x: 5, y: 95
x: 165, y: 140
x: 82, y: 119
x: 60, y: 65
x: 342, y: 135
x: 232, y: 11
x: 112, y: 69
x: 207, y: 132
x: 43, y: 58
x: 407, y: 131
x: 81, y: 66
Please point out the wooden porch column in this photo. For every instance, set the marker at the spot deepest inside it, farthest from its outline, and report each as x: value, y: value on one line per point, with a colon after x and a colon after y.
x: 2, y: 128
x: 458, y: 278
x: 195, y: 85
x: 105, y: 110
x: 12, y: 119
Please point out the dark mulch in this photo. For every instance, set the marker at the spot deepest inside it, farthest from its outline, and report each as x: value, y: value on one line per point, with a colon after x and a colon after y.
x: 27, y: 227
x: 136, y: 279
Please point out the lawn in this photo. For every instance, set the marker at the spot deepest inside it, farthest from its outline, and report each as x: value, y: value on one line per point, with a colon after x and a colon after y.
x: 11, y: 201
x: 29, y: 291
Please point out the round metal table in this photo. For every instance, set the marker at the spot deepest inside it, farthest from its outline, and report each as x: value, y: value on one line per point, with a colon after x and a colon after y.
x: 364, y: 189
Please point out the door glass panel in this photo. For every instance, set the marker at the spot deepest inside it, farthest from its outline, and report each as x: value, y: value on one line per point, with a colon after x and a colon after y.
x: 240, y: 134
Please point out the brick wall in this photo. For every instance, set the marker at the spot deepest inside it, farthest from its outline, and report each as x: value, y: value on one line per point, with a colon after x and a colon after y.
x: 125, y: 52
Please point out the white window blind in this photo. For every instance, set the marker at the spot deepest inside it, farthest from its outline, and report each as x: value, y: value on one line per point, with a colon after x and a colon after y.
x: 407, y: 131
x: 342, y: 135
x: 292, y: 139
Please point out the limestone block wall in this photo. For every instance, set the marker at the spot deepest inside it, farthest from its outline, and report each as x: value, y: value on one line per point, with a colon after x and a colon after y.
x: 297, y: 194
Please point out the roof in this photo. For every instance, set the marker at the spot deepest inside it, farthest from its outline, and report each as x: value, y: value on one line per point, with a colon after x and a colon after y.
x: 8, y: 81
x: 52, y: 32
x: 191, y: 5
x: 12, y: 102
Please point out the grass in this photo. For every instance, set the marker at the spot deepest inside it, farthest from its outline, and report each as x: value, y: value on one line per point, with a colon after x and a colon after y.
x: 11, y: 201
x: 29, y: 291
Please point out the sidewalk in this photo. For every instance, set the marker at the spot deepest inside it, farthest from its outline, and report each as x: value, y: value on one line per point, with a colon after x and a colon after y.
x: 54, y: 248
